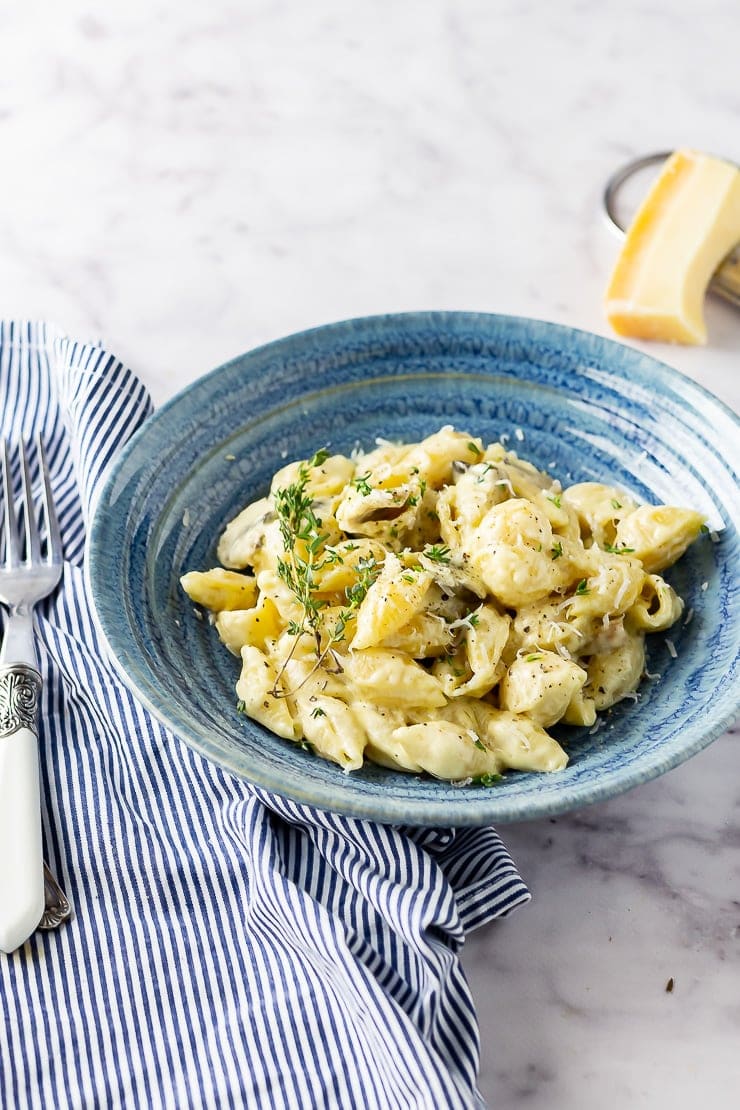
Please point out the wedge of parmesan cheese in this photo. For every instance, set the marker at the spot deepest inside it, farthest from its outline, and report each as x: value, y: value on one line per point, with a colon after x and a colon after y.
x: 689, y: 221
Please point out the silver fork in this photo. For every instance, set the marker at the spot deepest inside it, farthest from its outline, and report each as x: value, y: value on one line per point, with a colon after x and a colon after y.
x: 30, y: 897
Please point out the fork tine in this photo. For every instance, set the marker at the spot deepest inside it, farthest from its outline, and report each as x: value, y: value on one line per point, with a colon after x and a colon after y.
x: 12, y: 541
x: 55, y: 540
x: 33, y: 546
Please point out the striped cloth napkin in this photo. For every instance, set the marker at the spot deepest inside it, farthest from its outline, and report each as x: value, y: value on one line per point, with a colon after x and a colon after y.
x: 228, y: 947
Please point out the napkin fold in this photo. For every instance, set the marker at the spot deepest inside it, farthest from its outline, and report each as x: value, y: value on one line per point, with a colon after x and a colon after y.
x: 228, y: 947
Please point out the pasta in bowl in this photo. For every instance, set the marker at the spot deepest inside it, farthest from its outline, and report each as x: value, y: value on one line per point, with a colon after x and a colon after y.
x: 438, y: 606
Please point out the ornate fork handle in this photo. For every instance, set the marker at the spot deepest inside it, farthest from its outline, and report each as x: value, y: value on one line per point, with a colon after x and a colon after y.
x: 20, y: 686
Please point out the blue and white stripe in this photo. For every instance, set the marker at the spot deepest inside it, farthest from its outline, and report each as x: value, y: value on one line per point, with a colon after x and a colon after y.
x: 229, y: 948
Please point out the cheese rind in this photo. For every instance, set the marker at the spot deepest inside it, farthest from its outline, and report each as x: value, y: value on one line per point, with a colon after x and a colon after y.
x: 689, y: 221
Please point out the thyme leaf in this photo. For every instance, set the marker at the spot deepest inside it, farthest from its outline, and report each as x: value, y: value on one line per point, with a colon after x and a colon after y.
x: 438, y: 552
x: 362, y: 485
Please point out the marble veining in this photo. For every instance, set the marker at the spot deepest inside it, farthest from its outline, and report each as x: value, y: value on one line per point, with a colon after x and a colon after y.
x: 189, y: 181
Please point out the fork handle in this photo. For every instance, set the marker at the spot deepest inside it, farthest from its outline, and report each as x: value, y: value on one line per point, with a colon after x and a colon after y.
x: 21, y: 858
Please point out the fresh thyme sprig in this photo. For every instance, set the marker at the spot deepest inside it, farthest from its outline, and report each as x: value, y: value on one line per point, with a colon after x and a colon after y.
x: 306, y: 553
x: 367, y: 571
x: 303, y: 539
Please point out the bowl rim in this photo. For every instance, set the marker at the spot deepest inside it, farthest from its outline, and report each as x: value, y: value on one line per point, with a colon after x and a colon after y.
x: 670, y: 374
x: 323, y: 795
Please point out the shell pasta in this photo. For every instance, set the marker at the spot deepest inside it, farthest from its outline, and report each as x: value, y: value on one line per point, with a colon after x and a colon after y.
x: 438, y: 606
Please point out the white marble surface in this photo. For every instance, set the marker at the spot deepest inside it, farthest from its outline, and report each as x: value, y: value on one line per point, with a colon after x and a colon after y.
x: 187, y: 180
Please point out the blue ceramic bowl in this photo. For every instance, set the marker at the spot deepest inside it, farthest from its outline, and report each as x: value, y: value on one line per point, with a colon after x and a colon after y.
x: 587, y: 409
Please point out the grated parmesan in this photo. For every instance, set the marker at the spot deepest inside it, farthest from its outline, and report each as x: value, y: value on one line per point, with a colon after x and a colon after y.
x: 564, y: 604
x: 506, y: 482
x: 519, y: 434
x: 689, y: 617
x: 671, y: 648
x: 623, y: 589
